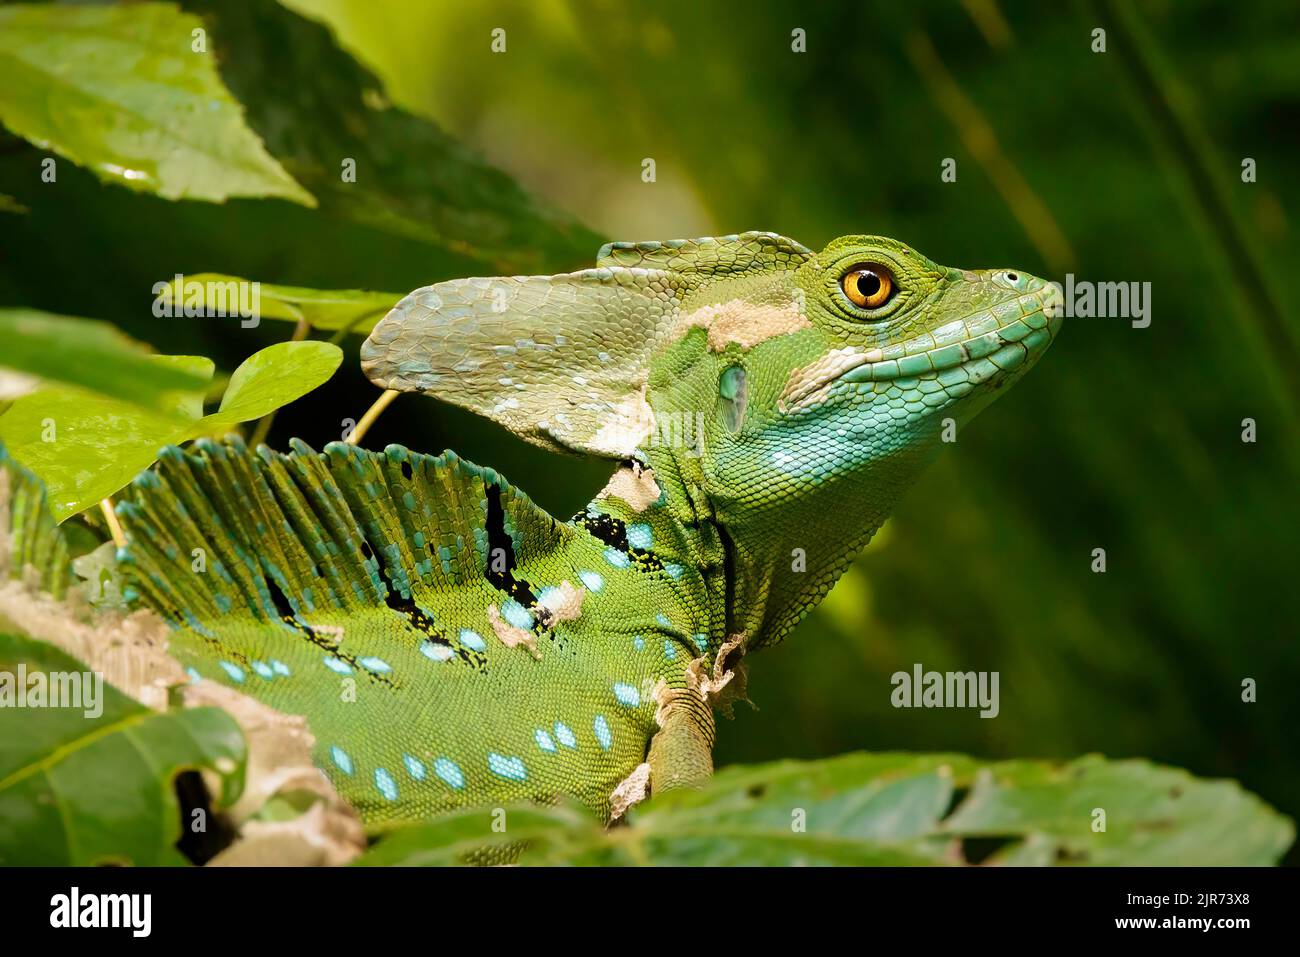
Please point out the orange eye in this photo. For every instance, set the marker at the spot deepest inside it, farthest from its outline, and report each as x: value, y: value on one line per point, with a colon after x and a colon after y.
x: 868, y: 285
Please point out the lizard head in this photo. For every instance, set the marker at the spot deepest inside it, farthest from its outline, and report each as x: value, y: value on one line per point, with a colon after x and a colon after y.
x: 900, y: 343
x: 778, y: 367
x: 852, y: 363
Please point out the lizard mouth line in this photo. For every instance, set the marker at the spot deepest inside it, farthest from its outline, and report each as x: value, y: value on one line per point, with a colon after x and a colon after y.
x: 983, y: 356
x: 1006, y: 348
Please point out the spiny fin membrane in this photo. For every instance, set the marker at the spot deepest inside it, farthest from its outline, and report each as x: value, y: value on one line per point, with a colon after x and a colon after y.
x: 221, y: 529
x: 305, y: 536
x: 34, y: 547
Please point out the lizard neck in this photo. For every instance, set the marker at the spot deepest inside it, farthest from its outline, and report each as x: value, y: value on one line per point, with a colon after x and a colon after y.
x: 784, y: 548
x: 785, y: 564
x: 656, y: 512
x: 756, y: 562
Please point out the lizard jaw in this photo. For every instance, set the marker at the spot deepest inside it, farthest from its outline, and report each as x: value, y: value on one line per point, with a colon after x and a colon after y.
x: 997, y: 341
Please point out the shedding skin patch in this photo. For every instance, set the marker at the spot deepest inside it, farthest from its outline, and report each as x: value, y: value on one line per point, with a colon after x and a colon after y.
x: 809, y: 384
x: 511, y: 636
x: 662, y: 693
x: 627, y: 425
x: 722, y: 686
x: 733, y: 397
x: 561, y: 603
x: 631, y: 790
x: 633, y: 484
x: 744, y: 323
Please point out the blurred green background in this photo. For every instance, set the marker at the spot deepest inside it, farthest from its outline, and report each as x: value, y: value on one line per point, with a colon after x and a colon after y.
x: 1115, y: 166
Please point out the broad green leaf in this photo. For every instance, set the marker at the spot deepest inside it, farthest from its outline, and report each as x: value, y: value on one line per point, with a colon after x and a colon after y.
x: 95, y: 356
x: 894, y: 809
x: 331, y: 309
x: 274, y: 377
x: 315, y: 106
x: 468, y: 836
x: 188, y: 403
x: 124, y: 91
x: 1155, y: 816
x: 85, y: 447
x: 81, y: 788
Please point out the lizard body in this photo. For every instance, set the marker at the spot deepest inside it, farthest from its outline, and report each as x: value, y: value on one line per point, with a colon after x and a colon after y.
x: 449, y: 642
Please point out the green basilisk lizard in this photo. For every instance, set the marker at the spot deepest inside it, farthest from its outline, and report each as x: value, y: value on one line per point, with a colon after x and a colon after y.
x: 448, y: 641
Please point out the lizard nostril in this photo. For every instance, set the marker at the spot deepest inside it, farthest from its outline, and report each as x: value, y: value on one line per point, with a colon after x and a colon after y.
x: 1013, y: 277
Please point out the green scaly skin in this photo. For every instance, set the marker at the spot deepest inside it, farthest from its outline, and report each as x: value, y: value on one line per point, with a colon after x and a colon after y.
x: 452, y: 644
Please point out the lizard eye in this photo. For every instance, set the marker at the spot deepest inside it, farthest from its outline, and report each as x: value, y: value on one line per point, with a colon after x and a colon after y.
x: 868, y: 285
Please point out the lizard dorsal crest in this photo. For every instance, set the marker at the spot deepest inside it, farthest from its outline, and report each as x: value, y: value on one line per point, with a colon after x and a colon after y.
x: 563, y: 360
x: 712, y: 255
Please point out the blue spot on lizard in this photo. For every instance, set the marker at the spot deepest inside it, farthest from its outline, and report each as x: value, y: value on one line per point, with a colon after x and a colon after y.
x: 236, y: 673
x: 512, y: 769
x: 603, y: 735
x: 640, y: 535
x: 565, y: 736
x: 627, y: 695
x: 414, y: 767
x: 450, y: 772
x: 436, y: 652
x: 341, y: 759
x: 387, y: 786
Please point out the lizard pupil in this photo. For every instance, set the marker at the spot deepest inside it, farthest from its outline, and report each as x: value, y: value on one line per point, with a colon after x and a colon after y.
x: 868, y: 284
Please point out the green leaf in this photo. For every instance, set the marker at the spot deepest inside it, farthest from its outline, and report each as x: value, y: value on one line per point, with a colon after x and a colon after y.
x: 892, y: 809
x: 83, y: 790
x: 274, y: 377
x: 94, y: 356
x: 1155, y: 816
x: 121, y: 90
x: 85, y: 447
x: 10, y: 205
x: 468, y: 836
x: 315, y: 106
x: 97, y: 444
x: 188, y: 403
x: 333, y: 309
